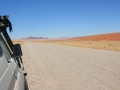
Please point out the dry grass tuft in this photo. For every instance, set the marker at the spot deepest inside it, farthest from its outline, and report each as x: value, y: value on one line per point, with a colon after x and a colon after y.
x: 108, y: 45
x: 19, y: 42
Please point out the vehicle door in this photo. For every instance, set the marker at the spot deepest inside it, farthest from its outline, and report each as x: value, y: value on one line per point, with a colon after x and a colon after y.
x: 11, y: 76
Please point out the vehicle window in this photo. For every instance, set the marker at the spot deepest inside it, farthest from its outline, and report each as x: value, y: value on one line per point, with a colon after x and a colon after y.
x: 4, y: 48
x: 5, y: 51
x: 1, y: 52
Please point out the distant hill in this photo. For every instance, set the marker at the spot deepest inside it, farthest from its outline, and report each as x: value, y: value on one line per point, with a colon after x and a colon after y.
x: 99, y: 37
x: 31, y: 37
x: 109, y: 36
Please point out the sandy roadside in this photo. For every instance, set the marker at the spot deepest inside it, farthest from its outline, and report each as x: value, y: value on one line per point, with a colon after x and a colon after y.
x: 105, y: 45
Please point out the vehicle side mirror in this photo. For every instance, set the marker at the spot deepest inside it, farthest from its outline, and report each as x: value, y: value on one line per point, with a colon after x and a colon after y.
x: 17, y: 50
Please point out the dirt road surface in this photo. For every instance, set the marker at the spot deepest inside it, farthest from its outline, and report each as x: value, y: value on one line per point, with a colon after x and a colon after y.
x: 58, y: 67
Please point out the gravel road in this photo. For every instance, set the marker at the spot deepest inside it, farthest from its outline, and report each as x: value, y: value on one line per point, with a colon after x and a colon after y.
x: 58, y: 67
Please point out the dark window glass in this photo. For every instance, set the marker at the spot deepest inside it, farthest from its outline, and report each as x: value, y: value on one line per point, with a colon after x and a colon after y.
x: 1, y: 52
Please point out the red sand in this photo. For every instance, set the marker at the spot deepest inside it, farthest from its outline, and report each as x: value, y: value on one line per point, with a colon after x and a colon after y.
x: 110, y: 36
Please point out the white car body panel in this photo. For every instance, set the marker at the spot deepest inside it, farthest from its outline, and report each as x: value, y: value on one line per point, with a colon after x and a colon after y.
x: 11, y: 76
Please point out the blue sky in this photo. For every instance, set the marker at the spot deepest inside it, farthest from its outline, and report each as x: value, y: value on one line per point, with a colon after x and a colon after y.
x: 61, y: 18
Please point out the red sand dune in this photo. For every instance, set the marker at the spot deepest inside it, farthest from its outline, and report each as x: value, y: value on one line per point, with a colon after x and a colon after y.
x: 110, y: 36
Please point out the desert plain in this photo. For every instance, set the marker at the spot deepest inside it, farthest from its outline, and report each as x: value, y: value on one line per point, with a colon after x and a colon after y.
x: 109, y: 41
x: 79, y: 63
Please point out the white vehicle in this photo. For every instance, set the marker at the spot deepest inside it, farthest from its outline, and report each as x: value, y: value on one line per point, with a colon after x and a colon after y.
x: 12, y: 76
